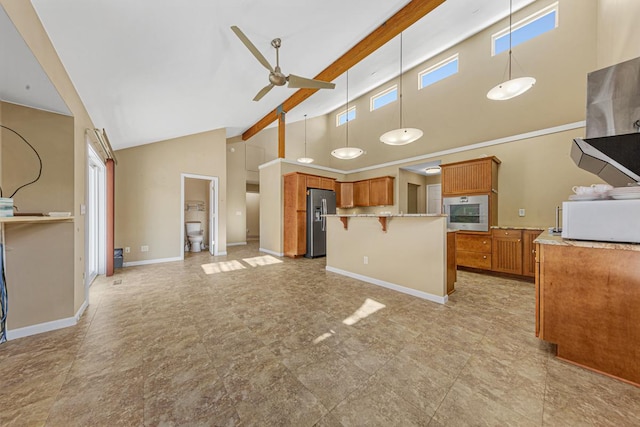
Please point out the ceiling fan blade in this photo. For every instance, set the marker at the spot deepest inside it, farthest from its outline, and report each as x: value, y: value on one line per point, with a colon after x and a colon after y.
x: 254, y: 50
x: 263, y: 92
x: 301, y: 82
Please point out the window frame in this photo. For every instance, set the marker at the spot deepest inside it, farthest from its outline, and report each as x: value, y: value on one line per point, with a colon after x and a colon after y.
x: 547, y: 10
x: 453, y: 58
x: 346, y: 111
x: 380, y: 94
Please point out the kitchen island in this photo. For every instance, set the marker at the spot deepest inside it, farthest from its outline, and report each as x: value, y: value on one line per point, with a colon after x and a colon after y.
x: 587, y: 300
x: 406, y: 253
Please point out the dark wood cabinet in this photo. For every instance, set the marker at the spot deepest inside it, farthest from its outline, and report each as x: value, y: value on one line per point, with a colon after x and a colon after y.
x: 506, y: 253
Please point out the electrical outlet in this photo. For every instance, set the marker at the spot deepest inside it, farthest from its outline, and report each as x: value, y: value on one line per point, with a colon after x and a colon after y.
x: 366, y: 260
x: 127, y: 250
x: 520, y: 212
x: 144, y: 248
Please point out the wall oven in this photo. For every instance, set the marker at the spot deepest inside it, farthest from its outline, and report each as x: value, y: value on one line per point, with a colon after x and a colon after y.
x: 467, y: 212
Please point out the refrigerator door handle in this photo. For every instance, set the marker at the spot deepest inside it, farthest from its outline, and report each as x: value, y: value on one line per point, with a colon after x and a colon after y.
x: 324, y: 213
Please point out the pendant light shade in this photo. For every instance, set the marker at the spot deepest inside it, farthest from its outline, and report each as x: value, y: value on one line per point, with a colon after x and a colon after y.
x: 305, y: 159
x: 511, y: 87
x: 402, y: 135
x: 346, y: 152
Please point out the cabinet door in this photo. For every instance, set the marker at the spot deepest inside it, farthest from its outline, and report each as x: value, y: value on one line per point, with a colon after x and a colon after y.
x: 529, y: 252
x: 381, y: 191
x: 313, y: 181
x: 328, y: 184
x: 467, y: 177
x: 344, y: 194
x: 507, y: 251
x: 361, y: 193
x: 295, y: 206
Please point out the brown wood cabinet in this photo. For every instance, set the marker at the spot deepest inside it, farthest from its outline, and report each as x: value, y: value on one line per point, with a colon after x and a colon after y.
x: 361, y: 193
x: 381, y: 191
x: 451, y: 262
x: 506, y: 253
x: 295, y: 209
x: 473, y: 250
x: 587, y: 303
x: 529, y: 252
x: 470, y: 177
x: 344, y: 194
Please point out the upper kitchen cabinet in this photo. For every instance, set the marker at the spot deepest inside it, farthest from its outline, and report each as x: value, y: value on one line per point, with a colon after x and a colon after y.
x: 344, y: 194
x: 361, y: 191
x: 470, y: 177
x: 381, y: 191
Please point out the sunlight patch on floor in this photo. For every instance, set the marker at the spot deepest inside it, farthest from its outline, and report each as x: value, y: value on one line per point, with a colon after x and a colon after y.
x: 366, y: 309
x: 222, y: 267
x: 262, y: 260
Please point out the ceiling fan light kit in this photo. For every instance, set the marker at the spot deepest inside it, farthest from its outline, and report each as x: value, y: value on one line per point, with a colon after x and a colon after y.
x: 276, y: 77
x: 511, y: 87
x: 402, y: 135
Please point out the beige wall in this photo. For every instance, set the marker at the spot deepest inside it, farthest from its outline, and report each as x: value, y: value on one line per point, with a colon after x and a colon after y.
x: 29, y: 26
x: 618, y: 31
x: 412, y: 252
x: 51, y: 135
x: 253, y: 214
x: 271, y: 208
x: 148, y: 186
x: 236, y: 192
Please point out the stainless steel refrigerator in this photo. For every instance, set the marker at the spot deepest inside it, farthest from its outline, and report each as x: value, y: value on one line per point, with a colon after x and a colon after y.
x: 319, y: 203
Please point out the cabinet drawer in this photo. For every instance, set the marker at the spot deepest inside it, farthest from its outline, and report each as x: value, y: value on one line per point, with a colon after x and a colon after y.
x: 473, y: 243
x: 506, y: 233
x: 473, y: 259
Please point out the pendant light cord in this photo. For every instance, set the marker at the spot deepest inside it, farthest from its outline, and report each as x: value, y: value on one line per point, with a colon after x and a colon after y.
x: 305, y: 135
x: 347, y: 113
x: 400, y: 83
x: 510, y: 31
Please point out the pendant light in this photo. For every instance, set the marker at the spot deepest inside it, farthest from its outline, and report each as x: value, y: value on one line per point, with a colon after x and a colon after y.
x: 346, y: 152
x: 512, y: 87
x: 305, y: 159
x: 403, y: 135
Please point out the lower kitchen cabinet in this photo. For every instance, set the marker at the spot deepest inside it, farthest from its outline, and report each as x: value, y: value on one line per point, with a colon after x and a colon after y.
x: 506, y: 251
x: 473, y: 250
x: 529, y: 252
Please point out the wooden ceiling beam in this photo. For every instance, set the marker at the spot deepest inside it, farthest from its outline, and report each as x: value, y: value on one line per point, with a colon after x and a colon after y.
x: 399, y: 22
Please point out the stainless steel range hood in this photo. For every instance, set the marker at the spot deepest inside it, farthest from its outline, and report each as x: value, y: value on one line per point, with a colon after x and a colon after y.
x: 611, y: 149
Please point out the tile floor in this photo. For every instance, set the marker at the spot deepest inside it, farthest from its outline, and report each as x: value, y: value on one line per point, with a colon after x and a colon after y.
x: 250, y: 339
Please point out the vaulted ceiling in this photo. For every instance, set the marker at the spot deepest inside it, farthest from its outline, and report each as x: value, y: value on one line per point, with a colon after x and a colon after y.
x: 150, y: 70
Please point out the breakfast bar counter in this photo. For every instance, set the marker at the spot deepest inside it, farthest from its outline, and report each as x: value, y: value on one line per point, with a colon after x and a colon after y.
x: 407, y: 253
x: 587, y: 299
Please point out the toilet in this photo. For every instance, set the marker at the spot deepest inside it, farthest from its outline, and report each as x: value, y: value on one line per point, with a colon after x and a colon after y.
x: 195, y: 235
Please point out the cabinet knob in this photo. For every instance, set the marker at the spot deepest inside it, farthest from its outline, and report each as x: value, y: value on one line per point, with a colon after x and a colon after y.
x: 519, y: 240
x: 484, y: 257
x: 484, y: 242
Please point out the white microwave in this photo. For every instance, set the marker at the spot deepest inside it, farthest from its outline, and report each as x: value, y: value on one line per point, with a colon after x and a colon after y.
x: 467, y: 212
x: 602, y: 220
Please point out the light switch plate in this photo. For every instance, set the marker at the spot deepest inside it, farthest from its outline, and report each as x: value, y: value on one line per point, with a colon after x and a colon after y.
x: 521, y: 212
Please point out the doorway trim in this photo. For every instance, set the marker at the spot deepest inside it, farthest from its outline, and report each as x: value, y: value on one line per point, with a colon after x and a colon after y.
x: 94, y: 161
x: 213, y: 210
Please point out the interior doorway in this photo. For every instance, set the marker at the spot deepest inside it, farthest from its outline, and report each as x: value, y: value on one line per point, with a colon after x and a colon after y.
x: 412, y: 198
x: 434, y: 199
x: 253, y: 215
x: 95, y: 218
x: 199, y: 202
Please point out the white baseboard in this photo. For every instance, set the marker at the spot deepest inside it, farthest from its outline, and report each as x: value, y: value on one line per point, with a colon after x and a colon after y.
x: 40, y: 328
x: 389, y: 285
x: 81, y: 310
x: 150, y: 261
x: 221, y: 253
x: 271, y: 252
x: 237, y: 244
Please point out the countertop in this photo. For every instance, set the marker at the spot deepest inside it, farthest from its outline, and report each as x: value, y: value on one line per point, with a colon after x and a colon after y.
x: 505, y: 227
x: 378, y: 215
x: 547, y: 239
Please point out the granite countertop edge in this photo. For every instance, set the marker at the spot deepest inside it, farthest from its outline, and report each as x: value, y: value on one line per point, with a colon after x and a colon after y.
x: 548, y: 239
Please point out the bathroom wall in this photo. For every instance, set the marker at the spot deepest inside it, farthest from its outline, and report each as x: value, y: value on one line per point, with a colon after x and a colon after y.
x: 198, y: 190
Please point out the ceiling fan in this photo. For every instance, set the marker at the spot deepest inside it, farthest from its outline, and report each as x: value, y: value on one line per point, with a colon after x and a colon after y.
x: 276, y: 77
